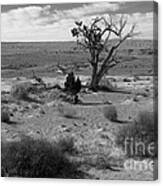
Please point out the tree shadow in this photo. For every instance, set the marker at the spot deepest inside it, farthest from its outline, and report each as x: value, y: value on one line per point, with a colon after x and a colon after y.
x: 122, y: 121
x: 122, y: 91
x: 13, y: 122
x: 29, y: 99
x: 72, y: 117
x: 92, y: 103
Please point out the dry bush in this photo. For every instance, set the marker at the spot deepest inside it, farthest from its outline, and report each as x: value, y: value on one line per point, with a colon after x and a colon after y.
x: 36, y: 158
x: 106, y: 85
x: 136, y: 78
x: 56, y: 94
x: 6, y: 99
x: 21, y: 90
x: 67, y: 110
x: 110, y: 112
x: 144, y: 130
x: 72, y: 85
x: 5, y: 115
x: 66, y: 144
x: 142, y: 93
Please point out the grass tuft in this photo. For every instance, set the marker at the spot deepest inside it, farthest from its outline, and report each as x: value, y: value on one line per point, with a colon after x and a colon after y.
x: 21, y: 91
x: 107, y: 85
x: 5, y: 115
x: 67, y: 111
x: 140, y: 135
x: 37, y: 158
x: 110, y: 112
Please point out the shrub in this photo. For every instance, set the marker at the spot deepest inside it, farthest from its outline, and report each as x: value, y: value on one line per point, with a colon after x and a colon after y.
x: 70, y: 80
x: 142, y: 130
x: 56, y: 94
x: 72, y: 85
x: 5, y: 115
x: 21, y: 90
x: 66, y: 144
x: 110, y: 112
x: 142, y: 93
x: 130, y: 51
x: 136, y: 78
x: 106, y: 85
x: 6, y: 99
x: 36, y: 158
x: 67, y: 111
x: 78, y: 85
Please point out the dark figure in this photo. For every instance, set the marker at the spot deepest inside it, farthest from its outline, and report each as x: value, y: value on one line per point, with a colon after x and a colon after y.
x: 78, y: 85
x: 70, y: 81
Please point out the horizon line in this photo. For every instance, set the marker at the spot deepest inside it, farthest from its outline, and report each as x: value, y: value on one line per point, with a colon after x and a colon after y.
x: 32, y: 41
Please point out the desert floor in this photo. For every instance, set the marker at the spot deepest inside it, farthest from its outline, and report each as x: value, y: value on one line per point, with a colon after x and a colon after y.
x: 94, y: 135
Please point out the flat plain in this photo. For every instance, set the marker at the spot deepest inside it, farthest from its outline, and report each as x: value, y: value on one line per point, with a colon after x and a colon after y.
x: 133, y: 80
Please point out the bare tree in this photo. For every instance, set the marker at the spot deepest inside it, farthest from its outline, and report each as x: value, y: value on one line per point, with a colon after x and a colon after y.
x: 95, y: 39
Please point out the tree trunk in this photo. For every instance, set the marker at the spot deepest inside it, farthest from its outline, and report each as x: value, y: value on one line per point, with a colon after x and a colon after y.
x: 94, y: 84
x: 94, y: 80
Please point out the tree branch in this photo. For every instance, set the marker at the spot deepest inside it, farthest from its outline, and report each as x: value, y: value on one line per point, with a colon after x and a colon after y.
x: 95, y: 38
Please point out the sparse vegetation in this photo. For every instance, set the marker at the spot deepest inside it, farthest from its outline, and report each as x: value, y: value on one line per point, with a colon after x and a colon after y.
x: 72, y: 85
x: 110, y: 112
x: 142, y: 93
x: 36, y: 110
x: 66, y: 144
x: 5, y: 114
x: 21, y: 90
x: 106, y: 85
x: 67, y: 111
x: 143, y: 129
x: 36, y: 158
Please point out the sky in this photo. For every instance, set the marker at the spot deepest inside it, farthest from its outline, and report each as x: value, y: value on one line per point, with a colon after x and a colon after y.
x: 53, y: 22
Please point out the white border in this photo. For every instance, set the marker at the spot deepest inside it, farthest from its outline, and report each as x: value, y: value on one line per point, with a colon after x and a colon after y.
x: 49, y: 182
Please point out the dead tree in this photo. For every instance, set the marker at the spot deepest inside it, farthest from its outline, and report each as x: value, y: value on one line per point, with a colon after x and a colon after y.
x: 96, y: 39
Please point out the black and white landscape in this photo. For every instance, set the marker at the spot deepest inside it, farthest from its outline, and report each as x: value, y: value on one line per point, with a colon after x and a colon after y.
x: 79, y: 90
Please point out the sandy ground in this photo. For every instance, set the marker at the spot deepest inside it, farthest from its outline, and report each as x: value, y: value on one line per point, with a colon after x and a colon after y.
x: 94, y: 135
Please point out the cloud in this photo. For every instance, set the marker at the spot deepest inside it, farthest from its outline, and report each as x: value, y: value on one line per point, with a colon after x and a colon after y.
x: 44, y: 15
x: 89, y: 10
x: 36, y: 23
x: 144, y: 24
